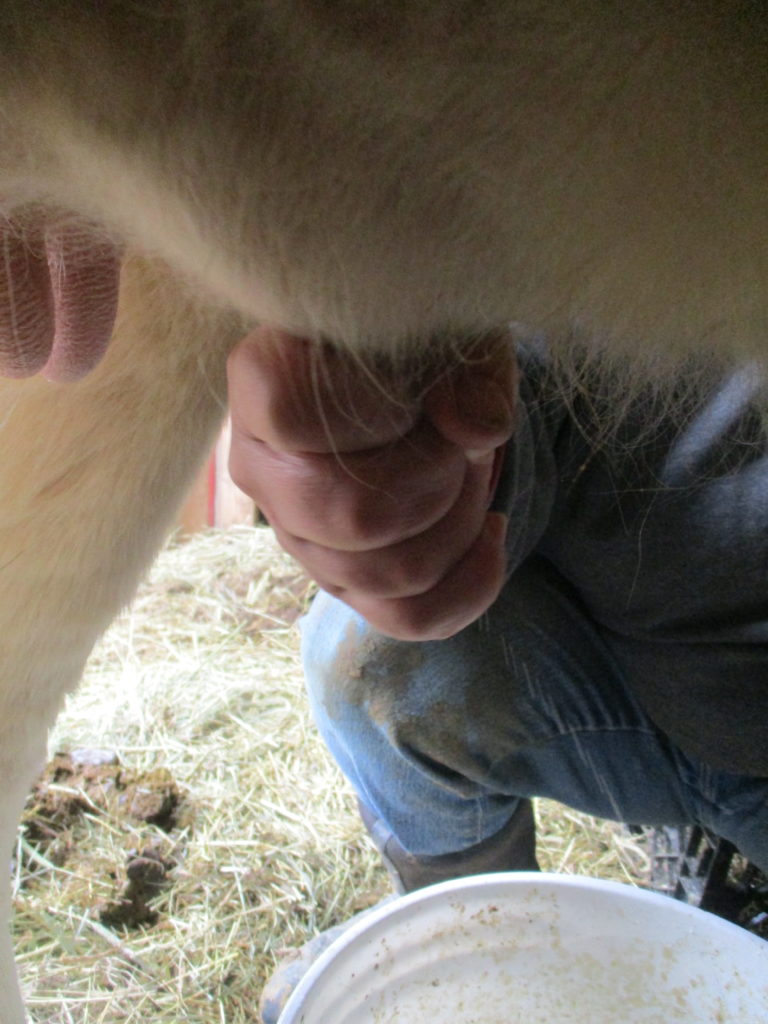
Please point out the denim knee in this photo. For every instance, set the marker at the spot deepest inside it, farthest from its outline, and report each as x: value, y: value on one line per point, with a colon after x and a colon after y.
x: 441, y: 739
x: 400, y: 742
x: 362, y: 683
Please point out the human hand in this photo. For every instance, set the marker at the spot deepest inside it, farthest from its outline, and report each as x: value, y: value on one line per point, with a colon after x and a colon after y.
x: 59, y: 280
x: 380, y: 492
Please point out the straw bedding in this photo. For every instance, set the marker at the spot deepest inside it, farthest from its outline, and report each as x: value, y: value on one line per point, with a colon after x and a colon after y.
x: 190, y: 828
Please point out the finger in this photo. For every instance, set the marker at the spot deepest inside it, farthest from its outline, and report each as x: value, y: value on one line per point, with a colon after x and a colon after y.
x: 460, y: 598
x: 296, y: 395
x: 26, y: 306
x: 473, y: 405
x: 357, y: 500
x: 85, y: 279
x: 407, y: 568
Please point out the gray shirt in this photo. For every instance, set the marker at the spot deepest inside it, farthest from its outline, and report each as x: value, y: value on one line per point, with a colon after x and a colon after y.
x: 662, y: 530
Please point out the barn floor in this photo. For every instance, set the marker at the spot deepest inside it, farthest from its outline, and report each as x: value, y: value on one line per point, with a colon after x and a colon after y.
x: 190, y: 827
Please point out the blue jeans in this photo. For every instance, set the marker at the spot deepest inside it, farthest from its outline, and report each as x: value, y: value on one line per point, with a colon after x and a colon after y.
x: 441, y: 739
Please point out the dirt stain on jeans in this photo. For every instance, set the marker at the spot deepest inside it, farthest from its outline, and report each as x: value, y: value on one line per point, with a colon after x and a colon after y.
x: 384, y: 678
x: 372, y: 671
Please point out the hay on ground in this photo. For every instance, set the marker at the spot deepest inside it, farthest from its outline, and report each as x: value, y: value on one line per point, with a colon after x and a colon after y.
x: 180, y: 914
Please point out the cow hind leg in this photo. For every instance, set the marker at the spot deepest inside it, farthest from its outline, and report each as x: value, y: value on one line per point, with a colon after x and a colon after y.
x: 91, y: 475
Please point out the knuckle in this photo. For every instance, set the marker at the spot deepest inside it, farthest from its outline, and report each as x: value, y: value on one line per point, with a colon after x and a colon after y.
x: 379, y: 518
x: 241, y: 471
x: 404, y: 620
x: 237, y: 473
x: 390, y: 577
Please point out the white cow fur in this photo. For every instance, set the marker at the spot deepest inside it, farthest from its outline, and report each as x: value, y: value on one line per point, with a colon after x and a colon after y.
x: 381, y: 174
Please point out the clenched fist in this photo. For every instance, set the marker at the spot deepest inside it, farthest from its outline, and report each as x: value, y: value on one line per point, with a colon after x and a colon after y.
x: 381, y: 489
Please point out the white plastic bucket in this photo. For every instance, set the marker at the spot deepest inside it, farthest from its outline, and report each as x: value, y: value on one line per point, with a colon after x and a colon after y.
x: 536, y: 949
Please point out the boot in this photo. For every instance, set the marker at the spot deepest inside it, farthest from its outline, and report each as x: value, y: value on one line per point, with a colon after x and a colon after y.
x: 513, y: 848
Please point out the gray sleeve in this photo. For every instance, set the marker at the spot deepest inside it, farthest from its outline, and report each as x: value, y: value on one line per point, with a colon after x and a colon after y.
x: 528, y: 481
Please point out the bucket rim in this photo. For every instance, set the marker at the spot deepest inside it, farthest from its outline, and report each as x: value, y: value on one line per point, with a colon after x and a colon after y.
x: 498, y: 882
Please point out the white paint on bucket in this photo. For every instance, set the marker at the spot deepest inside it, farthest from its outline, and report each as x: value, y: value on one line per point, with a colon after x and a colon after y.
x: 536, y: 949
